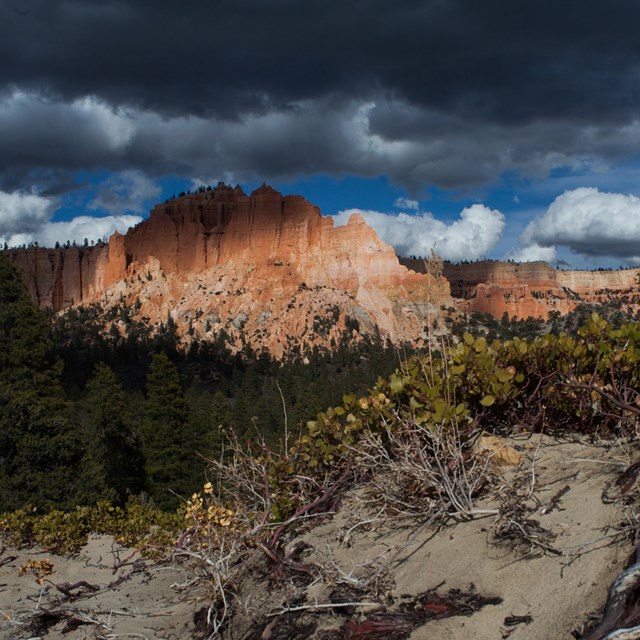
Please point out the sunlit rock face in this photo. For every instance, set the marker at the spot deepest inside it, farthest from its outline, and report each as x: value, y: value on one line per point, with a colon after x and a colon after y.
x: 268, y: 269
x: 534, y: 289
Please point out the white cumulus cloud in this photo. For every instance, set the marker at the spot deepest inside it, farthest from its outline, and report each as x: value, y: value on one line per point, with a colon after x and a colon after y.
x: 20, y: 212
x: 472, y: 236
x: 533, y: 253
x: 405, y: 203
x: 75, y: 230
x: 26, y: 218
x: 588, y: 222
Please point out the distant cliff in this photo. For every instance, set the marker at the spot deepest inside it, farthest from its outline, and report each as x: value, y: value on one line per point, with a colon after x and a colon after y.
x: 268, y: 269
x: 534, y: 288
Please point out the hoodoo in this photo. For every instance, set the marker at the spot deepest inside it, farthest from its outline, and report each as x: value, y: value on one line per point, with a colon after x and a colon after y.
x: 534, y: 289
x: 268, y: 269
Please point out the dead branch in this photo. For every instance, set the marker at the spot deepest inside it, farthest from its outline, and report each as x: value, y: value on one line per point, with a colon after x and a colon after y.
x: 555, y: 500
x: 117, y: 563
x: 515, y: 526
x: 362, y: 576
x: 215, y: 560
x: 345, y: 537
x: 68, y: 587
x: 7, y: 560
x: 512, y: 621
x: 616, y: 402
x: 326, y: 494
x: 625, y: 482
x: 428, y: 468
x: 323, y: 605
x: 622, y: 589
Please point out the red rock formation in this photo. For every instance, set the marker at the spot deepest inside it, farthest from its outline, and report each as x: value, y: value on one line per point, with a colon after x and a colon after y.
x: 535, y: 288
x: 270, y: 270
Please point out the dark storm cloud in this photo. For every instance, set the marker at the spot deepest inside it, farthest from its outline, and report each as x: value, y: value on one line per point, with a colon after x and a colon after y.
x: 427, y: 92
x: 490, y: 60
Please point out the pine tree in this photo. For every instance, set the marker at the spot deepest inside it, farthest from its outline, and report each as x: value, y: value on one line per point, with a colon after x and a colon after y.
x: 113, y: 455
x: 39, y: 449
x: 166, y: 442
x: 206, y: 413
x: 220, y: 421
x: 247, y: 399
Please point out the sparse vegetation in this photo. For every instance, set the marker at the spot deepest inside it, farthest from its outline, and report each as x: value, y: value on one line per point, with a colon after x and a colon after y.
x: 280, y: 450
x: 410, y: 443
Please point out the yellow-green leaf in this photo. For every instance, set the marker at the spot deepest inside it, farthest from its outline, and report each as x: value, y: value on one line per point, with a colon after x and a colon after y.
x: 395, y: 383
x: 487, y: 401
x: 503, y: 375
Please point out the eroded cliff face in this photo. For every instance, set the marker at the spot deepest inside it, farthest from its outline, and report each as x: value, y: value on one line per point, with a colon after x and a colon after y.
x: 60, y: 278
x: 268, y: 269
x: 534, y: 289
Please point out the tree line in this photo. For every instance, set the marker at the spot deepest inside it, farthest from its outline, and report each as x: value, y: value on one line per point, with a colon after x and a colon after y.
x: 99, y: 405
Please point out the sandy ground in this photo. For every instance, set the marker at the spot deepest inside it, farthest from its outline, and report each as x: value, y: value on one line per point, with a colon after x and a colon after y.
x: 556, y: 589
x: 541, y: 585
x: 135, y: 601
x: 552, y: 589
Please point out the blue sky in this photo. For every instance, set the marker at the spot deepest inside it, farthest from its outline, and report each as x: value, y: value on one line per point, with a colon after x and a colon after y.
x: 521, y: 201
x: 480, y: 129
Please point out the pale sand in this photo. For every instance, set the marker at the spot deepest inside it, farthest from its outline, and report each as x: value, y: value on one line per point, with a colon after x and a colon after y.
x: 137, y: 601
x: 558, y: 591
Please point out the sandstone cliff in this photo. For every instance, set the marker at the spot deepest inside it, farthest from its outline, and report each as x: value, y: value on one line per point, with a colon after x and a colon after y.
x: 534, y: 288
x: 268, y: 269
